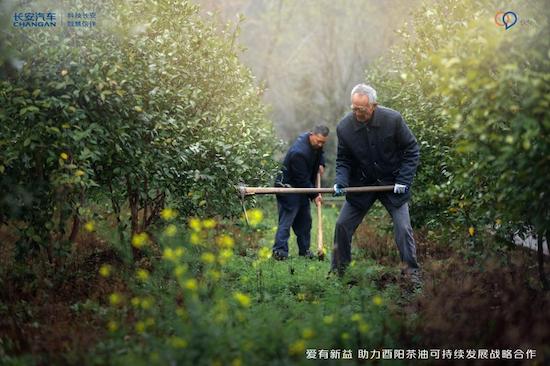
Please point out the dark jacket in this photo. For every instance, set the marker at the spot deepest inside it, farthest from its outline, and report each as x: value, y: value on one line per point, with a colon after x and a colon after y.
x: 301, y: 165
x: 381, y: 151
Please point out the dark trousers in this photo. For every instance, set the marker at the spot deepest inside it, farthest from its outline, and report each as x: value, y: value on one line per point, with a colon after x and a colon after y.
x: 351, y: 216
x: 293, y: 212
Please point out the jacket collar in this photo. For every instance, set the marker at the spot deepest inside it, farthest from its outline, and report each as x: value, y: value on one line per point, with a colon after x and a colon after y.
x: 373, y: 122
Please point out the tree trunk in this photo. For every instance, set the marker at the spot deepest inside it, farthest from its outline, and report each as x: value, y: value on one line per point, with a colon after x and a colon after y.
x: 145, y: 205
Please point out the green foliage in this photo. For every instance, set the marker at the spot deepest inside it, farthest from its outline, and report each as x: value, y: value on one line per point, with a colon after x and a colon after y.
x: 476, y: 96
x: 205, y: 304
x: 151, y: 105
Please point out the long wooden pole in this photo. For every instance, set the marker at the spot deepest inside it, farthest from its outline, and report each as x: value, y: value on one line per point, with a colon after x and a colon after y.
x: 320, y: 252
x: 247, y: 191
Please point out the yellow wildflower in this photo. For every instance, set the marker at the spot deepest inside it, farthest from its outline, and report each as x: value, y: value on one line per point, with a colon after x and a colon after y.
x: 195, y: 224
x: 105, y: 270
x: 140, y: 327
x: 146, y: 303
x: 64, y: 156
x: 237, y: 362
x: 297, y: 348
x: 208, y: 258
x: 363, y: 327
x: 377, y: 300
x: 79, y: 173
x: 178, y: 252
x: 135, y: 301
x: 115, y: 298
x: 209, y: 223
x: 356, y: 317
x: 195, y: 239
x: 140, y: 239
x: 225, y: 241
x: 168, y: 214
x: 171, y: 230
x: 191, y: 284
x: 112, y: 326
x: 471, y: 231
x: 242, y: 299
x: 264, y: 253
x: 178, y: 342
x: 308, y: 333
x: 169, y: 254
x: 255, y: 216
x: 142, y: 274
x: 180, y: 270
x: 328, y: 319
x: 213, y: 274
x: 225, y: 254
x: 150, y: 322
x: 89, y: 226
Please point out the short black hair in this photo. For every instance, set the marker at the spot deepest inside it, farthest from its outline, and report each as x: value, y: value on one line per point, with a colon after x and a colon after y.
x: 320, y: 130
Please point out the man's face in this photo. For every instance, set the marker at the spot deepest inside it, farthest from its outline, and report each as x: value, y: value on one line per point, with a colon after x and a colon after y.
x: 361, y: 107
x: 317, y: 141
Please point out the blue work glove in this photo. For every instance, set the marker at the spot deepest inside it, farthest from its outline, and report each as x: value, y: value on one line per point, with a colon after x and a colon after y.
x: 400, y: 188
x: 338, y: 190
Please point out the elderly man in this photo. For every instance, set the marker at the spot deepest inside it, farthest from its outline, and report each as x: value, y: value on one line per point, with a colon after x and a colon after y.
x: 302, y: 162
x: 375, y: 147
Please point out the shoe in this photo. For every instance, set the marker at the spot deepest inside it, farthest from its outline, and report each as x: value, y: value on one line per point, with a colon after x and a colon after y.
x: 279, y: 256
x: 308, y: 255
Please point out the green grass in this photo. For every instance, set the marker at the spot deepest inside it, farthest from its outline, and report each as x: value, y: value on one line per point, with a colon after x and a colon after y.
x: 250, y: 309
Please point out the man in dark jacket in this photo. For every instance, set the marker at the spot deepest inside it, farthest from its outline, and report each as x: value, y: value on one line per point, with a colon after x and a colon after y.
x: 302, y: 162
x: 375, y: 147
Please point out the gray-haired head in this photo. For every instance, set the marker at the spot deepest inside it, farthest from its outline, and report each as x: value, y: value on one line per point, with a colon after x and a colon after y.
x: 364, y: 89
x: 320, y: 130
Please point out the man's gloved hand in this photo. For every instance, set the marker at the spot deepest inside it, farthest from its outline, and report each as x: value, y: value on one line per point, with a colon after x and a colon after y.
x: 400, y: 188
x: 338, y: 190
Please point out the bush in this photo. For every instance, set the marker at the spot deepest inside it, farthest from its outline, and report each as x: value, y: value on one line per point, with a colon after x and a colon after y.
x: 149, y: 106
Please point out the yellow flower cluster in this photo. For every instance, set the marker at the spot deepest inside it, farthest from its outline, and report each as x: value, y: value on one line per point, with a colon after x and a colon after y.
x: 173, y: 255
x: 140, y: 240
x: 171, y: 230
x: 195, y: 224
x: 105, y: 270
x: 377, y: 300
x: 142, y: 274
x: 177, y: 342
x: 255, y: 217
x: 361, y: 324
x: 116, y: 299
x: 242, y: 299
x: 225, y: 241
x: 89, y: 226
x: 297, y: 348
x: 168, y: 214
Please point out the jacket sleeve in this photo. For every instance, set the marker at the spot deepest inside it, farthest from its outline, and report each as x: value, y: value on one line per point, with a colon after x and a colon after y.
x: 411, y: 153
x: 299, y: 171
x: 344, y: 160
x: 322, y: 159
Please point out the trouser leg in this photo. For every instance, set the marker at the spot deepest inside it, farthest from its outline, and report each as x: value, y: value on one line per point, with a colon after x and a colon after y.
x: 403, y: 233
x: 350, y: 217
x: 287, y: 214
x: 302, y: 227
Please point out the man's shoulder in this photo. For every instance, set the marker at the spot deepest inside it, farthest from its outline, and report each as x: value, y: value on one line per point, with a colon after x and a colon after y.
x: 345, y: 122
x: 388, y: 113
x: 299, y: 146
